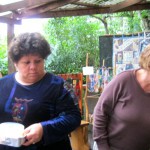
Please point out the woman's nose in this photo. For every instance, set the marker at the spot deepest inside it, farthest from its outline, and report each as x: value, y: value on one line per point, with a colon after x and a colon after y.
x: 33, y: 66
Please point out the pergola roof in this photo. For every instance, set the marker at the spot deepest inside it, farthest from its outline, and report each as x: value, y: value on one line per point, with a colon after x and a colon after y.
x: 21, y: 9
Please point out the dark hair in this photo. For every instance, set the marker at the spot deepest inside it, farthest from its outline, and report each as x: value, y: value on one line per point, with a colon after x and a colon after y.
x: 28, y: 43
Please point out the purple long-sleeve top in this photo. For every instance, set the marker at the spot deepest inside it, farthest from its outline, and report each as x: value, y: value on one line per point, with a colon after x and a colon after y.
x: 122, y: 115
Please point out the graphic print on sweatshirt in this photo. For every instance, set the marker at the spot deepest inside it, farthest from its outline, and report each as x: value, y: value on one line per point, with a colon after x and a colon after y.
x: 19, y: 109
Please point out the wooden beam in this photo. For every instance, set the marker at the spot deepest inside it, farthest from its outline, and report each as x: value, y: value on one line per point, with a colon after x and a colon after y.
x: 88, y: 11
x: 10, y: 35
x: 137, y: 7
x: 85, y: 4
x: 22, y: 4
x: 13, y: 6
x: 124, y: 5
x: 44, y: 10
x: 75, y: 12
x: 51, y: 6
x: 9, y: 20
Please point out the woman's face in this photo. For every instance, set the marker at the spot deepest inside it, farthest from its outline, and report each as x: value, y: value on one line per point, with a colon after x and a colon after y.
x: 30, y: 68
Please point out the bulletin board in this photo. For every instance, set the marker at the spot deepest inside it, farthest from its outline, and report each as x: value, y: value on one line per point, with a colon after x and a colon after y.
x: 127, y: 49
x: 121, y: 52
x: 106, y: 50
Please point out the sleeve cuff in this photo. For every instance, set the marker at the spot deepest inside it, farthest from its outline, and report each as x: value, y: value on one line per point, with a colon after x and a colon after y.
x: 102, y: 146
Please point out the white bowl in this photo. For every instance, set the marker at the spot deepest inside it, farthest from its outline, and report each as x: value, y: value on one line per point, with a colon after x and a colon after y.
x: 11, y: 134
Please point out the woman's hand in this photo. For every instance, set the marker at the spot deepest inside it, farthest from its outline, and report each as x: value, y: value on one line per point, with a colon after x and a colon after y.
x: 33, y: 134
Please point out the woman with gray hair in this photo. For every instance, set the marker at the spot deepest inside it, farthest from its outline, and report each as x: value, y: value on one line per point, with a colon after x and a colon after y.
x: 122, y: 114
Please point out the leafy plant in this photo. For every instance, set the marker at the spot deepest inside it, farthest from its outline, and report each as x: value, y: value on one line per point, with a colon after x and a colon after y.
x: 3, y: 57
x: 72, y: 38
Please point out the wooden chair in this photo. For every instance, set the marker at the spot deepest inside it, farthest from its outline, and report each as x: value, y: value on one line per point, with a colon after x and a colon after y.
x: 79, y: 137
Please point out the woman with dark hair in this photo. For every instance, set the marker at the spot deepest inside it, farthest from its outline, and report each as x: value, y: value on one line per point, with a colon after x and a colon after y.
x: 37, y: 99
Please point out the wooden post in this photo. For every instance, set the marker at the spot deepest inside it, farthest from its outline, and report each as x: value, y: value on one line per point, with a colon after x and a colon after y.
x: 103, y: 62
x: 86, y: 91
x: 10, y: 35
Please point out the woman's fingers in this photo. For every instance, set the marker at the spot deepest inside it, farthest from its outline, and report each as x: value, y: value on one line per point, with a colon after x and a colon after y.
x: 33, y: 134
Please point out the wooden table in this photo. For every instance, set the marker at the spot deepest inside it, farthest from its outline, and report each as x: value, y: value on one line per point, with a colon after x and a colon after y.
x: 79, y: 137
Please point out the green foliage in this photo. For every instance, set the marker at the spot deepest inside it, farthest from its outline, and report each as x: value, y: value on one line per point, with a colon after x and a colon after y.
x: 145, y: 13
x: 71, y: 38
x: 124, y: 23
x: 3, y: 57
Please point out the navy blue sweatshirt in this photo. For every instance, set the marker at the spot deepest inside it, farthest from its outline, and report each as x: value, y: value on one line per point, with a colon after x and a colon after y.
x: 47, y: 102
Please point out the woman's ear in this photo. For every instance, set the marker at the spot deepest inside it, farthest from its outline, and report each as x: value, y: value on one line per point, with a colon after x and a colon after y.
x: 16, y: 66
